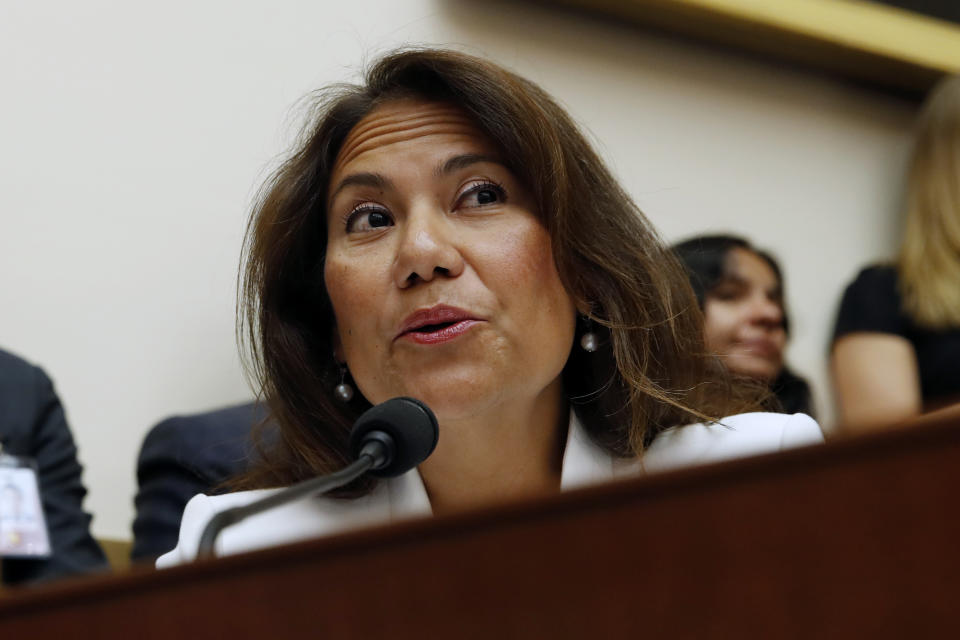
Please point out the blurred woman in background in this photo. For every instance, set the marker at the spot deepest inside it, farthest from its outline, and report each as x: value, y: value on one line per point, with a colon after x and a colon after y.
x: 896, y: 343
x: 740, y: 290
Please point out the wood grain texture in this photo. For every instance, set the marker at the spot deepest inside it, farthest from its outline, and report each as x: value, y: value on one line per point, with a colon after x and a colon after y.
x: 854, y: 538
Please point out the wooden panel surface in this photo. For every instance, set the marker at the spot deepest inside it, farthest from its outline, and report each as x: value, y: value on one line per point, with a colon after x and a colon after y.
x: 855, y: 538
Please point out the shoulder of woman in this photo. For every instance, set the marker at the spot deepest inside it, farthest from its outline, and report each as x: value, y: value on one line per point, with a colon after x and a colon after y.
x: 874, y: 282
x: 737, y: 436
x: 300, y: 519
x: 870, y: 303
x: 878, y: 279
x: 196, y: 515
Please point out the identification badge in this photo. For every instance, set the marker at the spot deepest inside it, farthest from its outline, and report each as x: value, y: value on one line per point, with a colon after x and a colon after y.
x: 23, y: 530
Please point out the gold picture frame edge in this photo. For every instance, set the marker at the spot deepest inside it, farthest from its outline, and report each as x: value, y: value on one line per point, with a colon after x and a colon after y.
x: 880, y: 44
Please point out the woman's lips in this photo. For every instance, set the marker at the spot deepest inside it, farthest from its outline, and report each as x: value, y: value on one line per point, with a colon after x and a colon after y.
x: 438, y: 324
x: 760, y: 348
x: 441, y: 334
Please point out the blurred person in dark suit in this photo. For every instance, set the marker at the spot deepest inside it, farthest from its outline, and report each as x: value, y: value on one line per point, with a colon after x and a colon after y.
x: 33, y: 426
x: 181, y: 457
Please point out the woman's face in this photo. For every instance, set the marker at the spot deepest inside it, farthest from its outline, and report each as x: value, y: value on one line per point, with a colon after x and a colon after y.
x: 744, y: 317
x: 441, y: 276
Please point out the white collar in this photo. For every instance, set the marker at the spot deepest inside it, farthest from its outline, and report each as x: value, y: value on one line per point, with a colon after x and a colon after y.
x: 584, y: 463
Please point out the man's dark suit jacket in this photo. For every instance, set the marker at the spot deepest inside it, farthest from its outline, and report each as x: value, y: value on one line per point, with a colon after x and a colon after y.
x: 32, y: 424
x: 181, y: 457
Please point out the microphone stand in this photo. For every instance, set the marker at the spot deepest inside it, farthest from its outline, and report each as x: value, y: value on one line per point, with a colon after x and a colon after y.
x: 375, y: 453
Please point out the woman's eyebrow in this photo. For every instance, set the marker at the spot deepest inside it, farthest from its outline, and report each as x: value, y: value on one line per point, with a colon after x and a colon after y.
x: 732, y: 278
x: 463, y: 161
x: 364, y: 179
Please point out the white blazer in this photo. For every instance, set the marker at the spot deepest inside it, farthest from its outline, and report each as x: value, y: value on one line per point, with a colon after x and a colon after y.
x: 584, y: 463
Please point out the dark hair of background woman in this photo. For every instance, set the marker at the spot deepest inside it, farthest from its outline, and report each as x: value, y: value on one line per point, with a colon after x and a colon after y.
x: 705, y: 259
x: 651, y: 371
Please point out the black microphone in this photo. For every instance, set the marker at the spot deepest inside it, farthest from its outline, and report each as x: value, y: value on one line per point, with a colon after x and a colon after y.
x: 387, y: 440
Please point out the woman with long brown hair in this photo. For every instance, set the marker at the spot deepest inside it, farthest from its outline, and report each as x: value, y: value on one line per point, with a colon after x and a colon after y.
x: 445, y: 232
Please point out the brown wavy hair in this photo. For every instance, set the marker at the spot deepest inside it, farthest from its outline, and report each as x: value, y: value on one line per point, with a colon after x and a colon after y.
x: 651, y: 371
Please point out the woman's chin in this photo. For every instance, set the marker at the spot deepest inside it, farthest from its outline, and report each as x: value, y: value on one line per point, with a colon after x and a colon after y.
x: 458, y: 404
x: 449, y: 398
x: 751, y: 366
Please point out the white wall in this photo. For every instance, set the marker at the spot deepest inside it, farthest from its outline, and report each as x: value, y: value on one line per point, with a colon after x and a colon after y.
x: 132, y: 139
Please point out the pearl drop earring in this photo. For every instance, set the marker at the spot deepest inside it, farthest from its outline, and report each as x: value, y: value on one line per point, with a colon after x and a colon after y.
x: 343, y: 391
x: 589, y: 341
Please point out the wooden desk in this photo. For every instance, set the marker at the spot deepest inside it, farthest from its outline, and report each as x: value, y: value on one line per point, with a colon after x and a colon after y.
x: 855, y: 538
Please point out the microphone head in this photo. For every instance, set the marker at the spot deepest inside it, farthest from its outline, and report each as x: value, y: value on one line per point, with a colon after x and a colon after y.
x: 409, y: 423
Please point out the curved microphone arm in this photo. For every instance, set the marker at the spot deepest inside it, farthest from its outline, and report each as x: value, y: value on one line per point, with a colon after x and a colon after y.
x: 374, y: 454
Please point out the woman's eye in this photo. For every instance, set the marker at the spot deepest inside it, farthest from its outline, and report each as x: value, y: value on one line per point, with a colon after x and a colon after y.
x: 367, y: 219
x: 727, y: 292
x: 482, y: 194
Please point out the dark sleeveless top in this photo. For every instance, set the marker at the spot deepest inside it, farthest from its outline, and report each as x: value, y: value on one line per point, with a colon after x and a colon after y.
x: 872, y: 303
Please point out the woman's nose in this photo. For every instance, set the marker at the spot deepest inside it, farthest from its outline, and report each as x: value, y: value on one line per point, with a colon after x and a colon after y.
x: 766, y: 312
x: 427, y: 248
